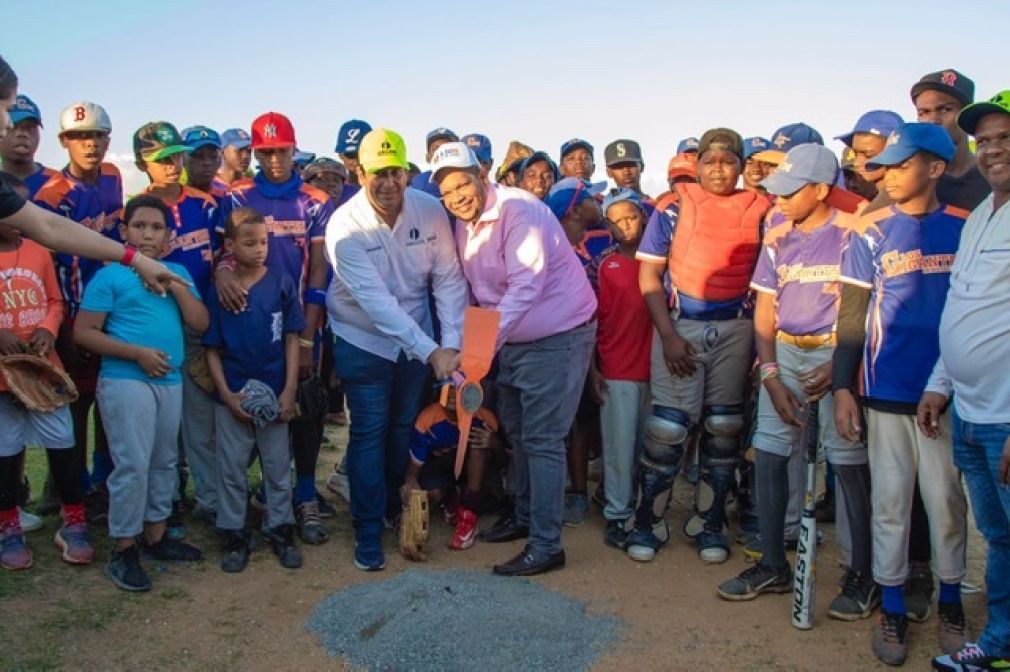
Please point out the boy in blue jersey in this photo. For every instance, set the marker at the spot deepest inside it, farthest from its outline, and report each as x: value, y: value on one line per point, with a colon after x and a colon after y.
x: 18, y: 147
x: 204, y: 160
x: 895, y: 276
x: 139, y: 336
x: 257, y: 344
x: 296, y: 215
x: 159, y: 150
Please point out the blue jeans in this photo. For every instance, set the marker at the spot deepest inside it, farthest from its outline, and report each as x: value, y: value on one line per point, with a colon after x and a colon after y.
x: 539, y: 386
x: 383, y: 398
x: 977, y: 451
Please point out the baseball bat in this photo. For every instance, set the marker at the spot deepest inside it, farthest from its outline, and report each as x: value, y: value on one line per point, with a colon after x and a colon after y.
x: 804, y: 590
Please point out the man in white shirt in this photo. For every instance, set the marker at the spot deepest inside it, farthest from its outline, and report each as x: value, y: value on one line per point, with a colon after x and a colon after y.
x: 388, y: 245
x: 974, y: 348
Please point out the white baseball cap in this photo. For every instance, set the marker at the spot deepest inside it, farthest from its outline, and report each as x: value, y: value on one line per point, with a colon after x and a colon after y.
x: 84, y: 116
x: 452, y: 155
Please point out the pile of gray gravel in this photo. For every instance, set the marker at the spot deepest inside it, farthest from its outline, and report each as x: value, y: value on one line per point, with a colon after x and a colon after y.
x: 460, y: 620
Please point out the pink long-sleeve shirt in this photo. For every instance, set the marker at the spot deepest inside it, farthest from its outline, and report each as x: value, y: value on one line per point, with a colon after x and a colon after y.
x: 519, y: 262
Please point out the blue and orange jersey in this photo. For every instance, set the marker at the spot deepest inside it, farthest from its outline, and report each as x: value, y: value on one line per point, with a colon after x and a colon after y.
x: 802, y: 271
x: 905, y: 262
x: 193, y: 235
x: 97, y: 206
x: 219, y: 188
x: 594, y: 241
x: 296, y: 215
x: 35, y: 181
x: 435, y: 435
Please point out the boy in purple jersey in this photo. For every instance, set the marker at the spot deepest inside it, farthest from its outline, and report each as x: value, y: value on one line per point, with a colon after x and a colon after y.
x: 797, y: 285
x: 159, y: 150
x: 89, y: 192
x: 18, y: 147
x: 296, y: 215
x: 895, y: 277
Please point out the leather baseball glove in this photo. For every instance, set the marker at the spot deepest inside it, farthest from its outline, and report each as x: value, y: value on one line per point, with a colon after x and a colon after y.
x: 37, y: 383
x: 414, y: 526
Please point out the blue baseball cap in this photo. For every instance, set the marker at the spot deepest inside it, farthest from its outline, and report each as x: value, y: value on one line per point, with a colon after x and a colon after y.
x: 350, y: 135
x: 910, y: 138
x: 440, y: 133
x: 754, y: 145
x: 620, y: 196
x: 690, y: 144
x: 539, y: 156
x: 576, y: 143
x: 481, y: 146
x: 877, y: 122
x: 196, y: 137
x: 301, y: 158
x: 25, y: 108
x: 804, y: 164
x: 787, y: 137
x: 236, y: 137
x: 568, y: 193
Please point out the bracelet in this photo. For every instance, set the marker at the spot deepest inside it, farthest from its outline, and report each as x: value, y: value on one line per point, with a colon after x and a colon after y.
x: 306, y: 343
x: 129, y: 253
x: 769, y: 370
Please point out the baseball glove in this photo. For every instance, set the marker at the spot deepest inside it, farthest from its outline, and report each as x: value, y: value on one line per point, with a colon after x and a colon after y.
x: 200, y: 373
x: 37, y: 383
x: 414, y: 526
x: 312, y: 399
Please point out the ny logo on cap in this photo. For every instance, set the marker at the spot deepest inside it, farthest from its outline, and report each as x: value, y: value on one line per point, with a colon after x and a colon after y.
x: 270, y: 131
x: 621, y: 151
x: 780, y: 140
x: 948, y: 77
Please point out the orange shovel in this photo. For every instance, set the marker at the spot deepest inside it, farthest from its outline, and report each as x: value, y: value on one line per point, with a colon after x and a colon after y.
x: 480, y: 333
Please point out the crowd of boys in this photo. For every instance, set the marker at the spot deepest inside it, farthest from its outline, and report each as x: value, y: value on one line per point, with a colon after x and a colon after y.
x: 693, y: 333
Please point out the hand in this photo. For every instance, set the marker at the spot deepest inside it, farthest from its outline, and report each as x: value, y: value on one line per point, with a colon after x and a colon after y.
x: 155, y: 276
x: 42, y: 342
x: 444, y: 361
x: 817, y: 383
x: 679, y: 356
x: 153, y: 362
x: 483, y: 439
x: 230, y: 290
x: 785, y: 402
x: 233, y: 400
x: 847, y: 417
x: 405, y: 490
x: 927, y: 415
x: 1004, y: 464
x: 286, y: 405
x: 9, y: 343
x: 597, y: 385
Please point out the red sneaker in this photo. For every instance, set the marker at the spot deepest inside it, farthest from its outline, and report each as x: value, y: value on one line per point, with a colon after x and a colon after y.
x: 466, y: 530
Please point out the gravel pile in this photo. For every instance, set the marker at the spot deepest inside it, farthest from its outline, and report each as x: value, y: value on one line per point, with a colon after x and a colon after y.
x: 460, y: 620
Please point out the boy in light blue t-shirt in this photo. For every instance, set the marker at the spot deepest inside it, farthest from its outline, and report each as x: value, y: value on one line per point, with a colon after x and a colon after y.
x: 140, y: 339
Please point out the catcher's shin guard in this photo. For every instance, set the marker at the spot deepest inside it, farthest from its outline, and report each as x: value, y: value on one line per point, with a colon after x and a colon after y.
x: 720, y: 454
x: 666, y: 430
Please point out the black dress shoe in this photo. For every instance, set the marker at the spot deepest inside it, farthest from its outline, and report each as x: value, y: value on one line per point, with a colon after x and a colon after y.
x: 527, y: 564
x: 505, y: 528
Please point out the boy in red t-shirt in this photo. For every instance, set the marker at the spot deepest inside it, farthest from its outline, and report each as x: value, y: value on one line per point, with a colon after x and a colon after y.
x: 620, y: 372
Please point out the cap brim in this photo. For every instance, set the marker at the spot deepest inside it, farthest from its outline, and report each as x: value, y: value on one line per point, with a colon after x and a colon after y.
x: 387, y: 163
x: 618, y: 162
x: 891, y: 156
x: 596, y: 188
x: 972, y: 114
x: 272, y: 145
x: 846, y: 139
x: 773, y: 156
x: 920, y: 87
x: 193, y: 146
x: 781, y: 183
x: 242, y: 144
x: 18, y: 118
x: 844, y: 200
x: 165, y: 152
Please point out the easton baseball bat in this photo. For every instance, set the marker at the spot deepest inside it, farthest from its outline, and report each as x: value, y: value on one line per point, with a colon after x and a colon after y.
x: 804, y: 590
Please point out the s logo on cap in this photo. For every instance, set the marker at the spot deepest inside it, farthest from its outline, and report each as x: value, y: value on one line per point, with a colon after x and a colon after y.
x: 621, y: 151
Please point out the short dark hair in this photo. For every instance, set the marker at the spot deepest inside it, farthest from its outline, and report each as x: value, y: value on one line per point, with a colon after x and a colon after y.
x: 8, y: 80
x: 146, y: 201
x: 239, y: 217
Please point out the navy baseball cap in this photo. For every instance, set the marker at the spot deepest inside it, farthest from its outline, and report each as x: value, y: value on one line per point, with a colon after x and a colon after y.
x: 196, y: 137
x: 786, y: 138
x: 752, y: 146
x: 569, y: 193
x: 804, y: 164
x: 910, y: 138
x: 481, y: 146
x: 236, y: 137
x: 25, y: 108
x: 539, y: 156
x: 441, y: 133
x: 877, y: 122
x: 620, y: 196
x: 948, y: 81
x: 350, y: 135
x: 690, y: 144
x: 576, y: 143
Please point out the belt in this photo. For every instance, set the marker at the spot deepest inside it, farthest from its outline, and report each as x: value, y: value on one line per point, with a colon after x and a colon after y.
x: 807, y: 341
x: 720, y: 315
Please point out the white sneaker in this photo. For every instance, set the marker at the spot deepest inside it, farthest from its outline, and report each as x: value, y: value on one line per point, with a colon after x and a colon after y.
x: 29, y: 521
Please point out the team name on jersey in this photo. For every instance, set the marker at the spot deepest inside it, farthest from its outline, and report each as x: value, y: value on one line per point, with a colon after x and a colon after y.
x: 100, y: 223
x: 190, y: 241
x: 897, y: 263
x: 286, y: 227
x: 803, y: 274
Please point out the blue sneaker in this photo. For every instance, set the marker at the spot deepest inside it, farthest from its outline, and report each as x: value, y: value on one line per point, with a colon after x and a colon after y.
x: 368, y: 556
x: 713, y: 547
x: 970, y: 658
x: 641, y: 544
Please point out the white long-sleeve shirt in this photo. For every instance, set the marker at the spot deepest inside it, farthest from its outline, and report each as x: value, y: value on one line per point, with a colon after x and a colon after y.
x: 378, y: 299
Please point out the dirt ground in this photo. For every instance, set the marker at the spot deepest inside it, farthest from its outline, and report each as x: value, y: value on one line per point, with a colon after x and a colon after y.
x: 56, y: 617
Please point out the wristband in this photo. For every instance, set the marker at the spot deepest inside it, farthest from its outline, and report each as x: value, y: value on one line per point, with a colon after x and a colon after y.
x: 129, y: 253
x: 306, y: 343
x: 315, y: 296
x: 769, y: 370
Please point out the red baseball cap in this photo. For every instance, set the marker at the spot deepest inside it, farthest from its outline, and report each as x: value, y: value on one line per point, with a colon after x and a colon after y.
x: 684, y: 164
x: 272, y: 131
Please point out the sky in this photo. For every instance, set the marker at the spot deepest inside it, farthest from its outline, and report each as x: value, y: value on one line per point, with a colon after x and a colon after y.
x: 535, y: 71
